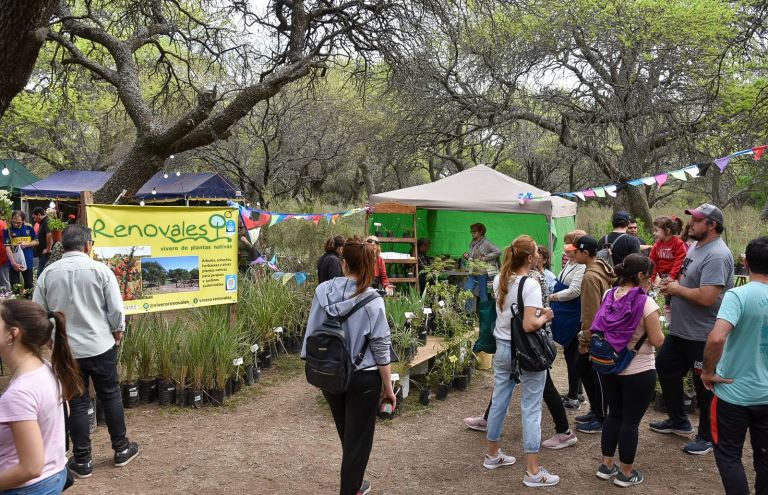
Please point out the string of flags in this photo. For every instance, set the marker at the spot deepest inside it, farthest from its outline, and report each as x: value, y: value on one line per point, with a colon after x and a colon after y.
x: 658, y: 180
x: 284, y: 277
x: 255, y: 218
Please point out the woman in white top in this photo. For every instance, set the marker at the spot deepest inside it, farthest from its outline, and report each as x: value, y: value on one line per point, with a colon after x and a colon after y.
x: 565, y: 301
x: 629, y: 392
x: 518, y: 259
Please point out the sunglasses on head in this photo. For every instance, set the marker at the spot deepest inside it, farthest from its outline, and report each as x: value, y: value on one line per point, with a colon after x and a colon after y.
x: 371, y: 241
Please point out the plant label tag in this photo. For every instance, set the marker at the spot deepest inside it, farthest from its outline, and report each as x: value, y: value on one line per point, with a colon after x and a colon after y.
x: 376, y: 224
x: 427, y: 311
x: 409, y: 315
x: 279, y: 330
x: 395, y: 377
x: 237, y: 361
x: 255, y: 348
x: 441, y: 304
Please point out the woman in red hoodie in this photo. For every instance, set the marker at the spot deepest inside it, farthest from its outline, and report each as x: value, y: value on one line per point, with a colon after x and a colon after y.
x: 380, y: 279
x: 668, y: 252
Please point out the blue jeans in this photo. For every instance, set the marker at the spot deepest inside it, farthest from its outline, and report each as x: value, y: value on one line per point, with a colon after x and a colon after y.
x: 532, y: 384
x: 52, y: 485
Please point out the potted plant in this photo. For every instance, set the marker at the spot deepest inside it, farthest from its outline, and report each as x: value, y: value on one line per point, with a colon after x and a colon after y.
x: 56, y: 225
x: 143, y: 332
x: 166, y: 338
x: 197, y: 353
x: 180, y: 370
x: 129, y: 388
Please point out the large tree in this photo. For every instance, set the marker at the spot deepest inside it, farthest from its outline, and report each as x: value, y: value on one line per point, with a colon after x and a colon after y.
x: 22, y: 34
x: 187, y: 72
x: 627, y: 84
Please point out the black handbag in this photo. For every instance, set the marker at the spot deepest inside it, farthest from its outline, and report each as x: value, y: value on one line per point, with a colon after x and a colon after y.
x: 531, y: 351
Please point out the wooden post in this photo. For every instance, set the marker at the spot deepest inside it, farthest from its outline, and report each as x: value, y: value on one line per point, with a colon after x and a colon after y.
x: 86, y: 198
x: 232, y: 316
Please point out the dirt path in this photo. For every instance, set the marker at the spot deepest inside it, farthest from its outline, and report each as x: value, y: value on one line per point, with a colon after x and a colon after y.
x: 278, y: 437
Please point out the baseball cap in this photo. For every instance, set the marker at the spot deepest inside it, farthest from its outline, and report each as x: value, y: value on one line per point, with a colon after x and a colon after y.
x: 620, y: 216
x: 569, y: 247
x: 587, y: 243
x: 707, y: 210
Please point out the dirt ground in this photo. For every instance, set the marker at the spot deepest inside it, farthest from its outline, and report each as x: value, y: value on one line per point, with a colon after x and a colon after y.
x: 278, y: 437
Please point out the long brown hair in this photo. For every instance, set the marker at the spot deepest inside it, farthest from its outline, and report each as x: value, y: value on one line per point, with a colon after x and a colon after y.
x: 36, y: 329
x: 515, y: 256
x: 669, y: 225
x: 361, y: 261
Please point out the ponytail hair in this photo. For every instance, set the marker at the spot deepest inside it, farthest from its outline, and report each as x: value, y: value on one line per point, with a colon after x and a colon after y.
x: 670, y: 225
x: 334, y: 243
x: 515, y: 256
x: 627, y: 271
x: 361, y: 260
x: 36, y: 330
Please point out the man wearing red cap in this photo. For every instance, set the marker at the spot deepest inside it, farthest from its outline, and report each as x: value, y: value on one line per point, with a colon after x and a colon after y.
x: 706, y: 274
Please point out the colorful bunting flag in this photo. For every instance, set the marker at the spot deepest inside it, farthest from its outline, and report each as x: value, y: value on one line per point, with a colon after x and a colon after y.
x: 611, y: 190
x: 758, y: 152
x: 679, y: 175
x: 581, y: 196
x: 599, y: 192
x: 648, y: 181
x: 692, y: 171
x: 722, y: 163
x: 661, y: 179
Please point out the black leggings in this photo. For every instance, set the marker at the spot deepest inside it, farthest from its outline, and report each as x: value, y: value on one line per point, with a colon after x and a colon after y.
x: 628, y: 397
x: 554, y: 403
x: 571, y: 355
x: 354, y: 413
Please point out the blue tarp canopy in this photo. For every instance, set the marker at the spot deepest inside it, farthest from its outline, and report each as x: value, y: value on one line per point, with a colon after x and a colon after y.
x: 202, y: 186
x: 66, y: 185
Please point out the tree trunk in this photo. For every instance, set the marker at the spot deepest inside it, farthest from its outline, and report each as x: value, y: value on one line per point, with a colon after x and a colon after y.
x: 22, y: 34
x: 138, y: 166
x: 637, y: 203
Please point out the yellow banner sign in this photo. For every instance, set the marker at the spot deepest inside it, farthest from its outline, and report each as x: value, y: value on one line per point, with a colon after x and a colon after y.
x: 168, y: 257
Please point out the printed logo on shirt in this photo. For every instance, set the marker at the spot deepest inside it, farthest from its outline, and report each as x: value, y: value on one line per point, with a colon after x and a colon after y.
x: 686, y: 263
x: 16, y: 240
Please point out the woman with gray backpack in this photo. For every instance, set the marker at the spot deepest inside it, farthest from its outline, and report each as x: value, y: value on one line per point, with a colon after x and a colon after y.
x: 625, y: 330
x: 347, y: 354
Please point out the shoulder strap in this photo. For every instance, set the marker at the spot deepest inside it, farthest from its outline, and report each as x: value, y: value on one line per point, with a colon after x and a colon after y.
x: 358, y: 305
x: 520, y: 306
x: 640, y: 342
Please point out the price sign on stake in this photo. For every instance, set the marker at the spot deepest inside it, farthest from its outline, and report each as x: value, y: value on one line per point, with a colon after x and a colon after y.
x: 237, y: 361
x: 409, y: 315
x: 395, y: 377
x: 441, y: 304
x: 279, y: 330
x: 427, y: 311
x: 255, y: 348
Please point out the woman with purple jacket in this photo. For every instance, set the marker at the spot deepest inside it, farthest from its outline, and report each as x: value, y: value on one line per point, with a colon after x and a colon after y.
x: 627, y: 316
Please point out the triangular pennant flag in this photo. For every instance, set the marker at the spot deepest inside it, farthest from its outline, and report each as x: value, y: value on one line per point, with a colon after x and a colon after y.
x: 703, y: 167
x: 274, y: 220
x: 648, y: 181
x: 286, y: 277
x: 758, y: 150
x: 334, y: 219
x: 329, y: 217
x: 636, y: 182
x: 316, y: 219
x: 722, y: 163
x: 611, y: 190
x: 589, y: 193
x: 692, y: 171
x: 253, y: 234
x: 581, y: 196
x: 599, y: 192
x: 679, y: 175
x: 300, y: 277
x: 661, y: 179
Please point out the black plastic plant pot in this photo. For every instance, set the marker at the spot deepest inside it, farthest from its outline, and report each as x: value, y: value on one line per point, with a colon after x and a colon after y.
x: 181, y: 395
x: 228, y: 387
x: 265, y: 360
x: 166, y: 392
x: 256, y: 374
x: 216, y: 396
x: 130, y: 392
x: 249, y: 380
x: 424, y: 397
x: 146, y: 387
x: 194, y: 398
x: 460, y: 382
x: 237, y: 384
x: 442, y: 391
x: 469, y: 371
x: 422, y: 336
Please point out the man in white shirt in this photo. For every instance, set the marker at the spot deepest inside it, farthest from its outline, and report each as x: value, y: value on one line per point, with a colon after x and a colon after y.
x: 87, y: 292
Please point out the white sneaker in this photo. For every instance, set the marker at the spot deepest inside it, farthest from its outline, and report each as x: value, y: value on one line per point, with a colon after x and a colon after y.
x: 542, y: 478
x: 560, y: 440
x: 500, y: 460
x: 476, y: 423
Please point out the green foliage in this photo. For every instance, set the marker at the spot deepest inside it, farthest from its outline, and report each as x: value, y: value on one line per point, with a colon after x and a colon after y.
x: 167, y: 338
x: 144, y: 334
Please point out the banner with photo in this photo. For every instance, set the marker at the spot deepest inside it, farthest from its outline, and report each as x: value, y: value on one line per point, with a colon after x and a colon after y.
x: 168, y: 257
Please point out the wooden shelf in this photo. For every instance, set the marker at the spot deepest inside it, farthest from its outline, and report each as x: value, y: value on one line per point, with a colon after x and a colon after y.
x: 434, y: 346
x: 403, y: 240
x: 401, y: 279
x: 400, y: 261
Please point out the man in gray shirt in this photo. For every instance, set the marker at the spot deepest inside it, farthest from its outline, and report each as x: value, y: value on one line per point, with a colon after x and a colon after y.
x: 706, y: 274
x: 87, y: 292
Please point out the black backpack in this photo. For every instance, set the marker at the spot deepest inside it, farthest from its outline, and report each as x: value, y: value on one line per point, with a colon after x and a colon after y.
x: 532, y: 351
x: 329, y: 364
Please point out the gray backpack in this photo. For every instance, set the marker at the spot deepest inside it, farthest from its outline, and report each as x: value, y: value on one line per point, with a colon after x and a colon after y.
x: 606, y: 252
